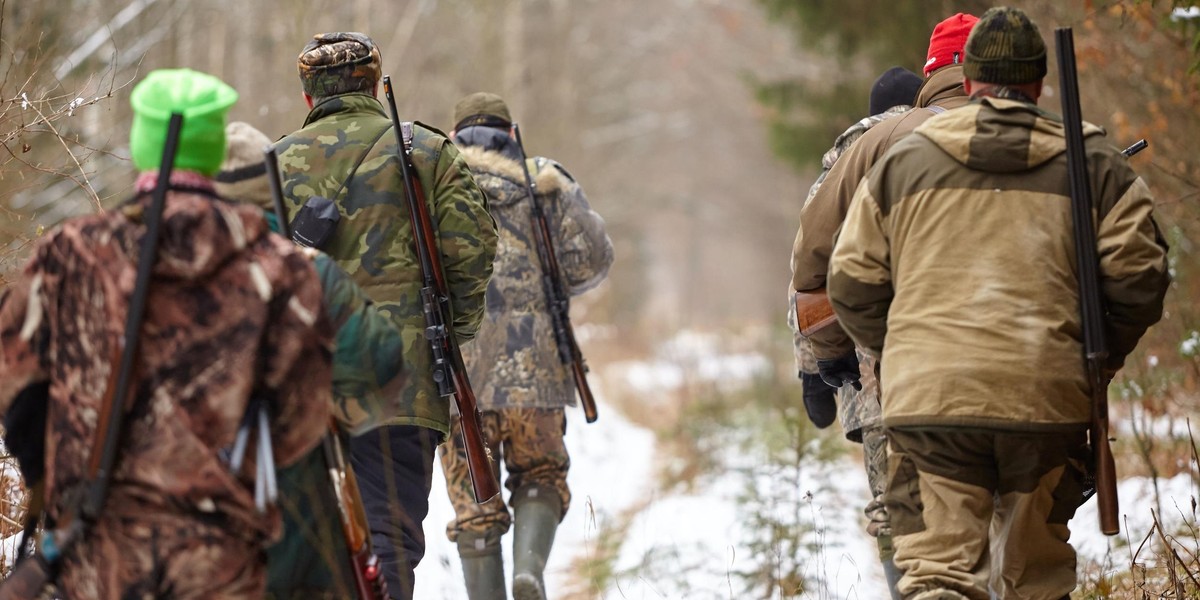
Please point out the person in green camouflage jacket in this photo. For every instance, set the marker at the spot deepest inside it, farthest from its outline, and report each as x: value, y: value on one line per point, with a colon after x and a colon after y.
x: 346, y: 152
x: 368, y: 371
x: 523, y: 385
x: 860, y: 415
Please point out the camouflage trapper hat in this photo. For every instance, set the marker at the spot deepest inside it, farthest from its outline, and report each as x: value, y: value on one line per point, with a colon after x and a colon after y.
x: 481, y: 108
x: 1005, y: 47
x: 339, y: 63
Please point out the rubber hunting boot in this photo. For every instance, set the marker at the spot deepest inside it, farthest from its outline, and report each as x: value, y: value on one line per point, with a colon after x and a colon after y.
x: 483, y: 566
x: 536, y: 513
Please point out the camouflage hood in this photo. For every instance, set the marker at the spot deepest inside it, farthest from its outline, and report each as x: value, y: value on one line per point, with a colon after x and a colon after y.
x: 1017, y: 136
x: 195, y: 214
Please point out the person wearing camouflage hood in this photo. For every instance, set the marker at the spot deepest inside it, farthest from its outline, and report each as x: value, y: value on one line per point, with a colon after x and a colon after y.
x: 231, y: 312
x: 368, y: 371
x: 523, y: 385
x: 346, y: 152
x: 891, y: 94
x: 956, y: 265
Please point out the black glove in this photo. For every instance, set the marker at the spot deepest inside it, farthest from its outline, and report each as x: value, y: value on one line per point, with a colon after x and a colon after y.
x: 841, y: 370
x: 819, y: 400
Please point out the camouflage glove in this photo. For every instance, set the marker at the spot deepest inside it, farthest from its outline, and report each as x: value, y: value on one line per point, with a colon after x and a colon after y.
x: 841, y: 370
x: 819, y: 400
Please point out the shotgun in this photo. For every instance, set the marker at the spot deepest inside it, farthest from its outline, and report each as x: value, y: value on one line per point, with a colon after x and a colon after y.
x: 449, y: 370
x: 557, y: 298
x: 369, y: 583
x: 31, y: 576
x: 1090, y: 302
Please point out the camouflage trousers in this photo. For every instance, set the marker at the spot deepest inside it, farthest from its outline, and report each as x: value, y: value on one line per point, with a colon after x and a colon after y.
x: 530, y: 442
x: 181, y: 558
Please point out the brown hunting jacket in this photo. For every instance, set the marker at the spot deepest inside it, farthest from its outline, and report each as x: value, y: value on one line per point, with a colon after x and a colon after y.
x: 231, y: 312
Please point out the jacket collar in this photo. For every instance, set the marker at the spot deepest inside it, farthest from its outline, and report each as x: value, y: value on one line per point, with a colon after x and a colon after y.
x: 946, y: 82
x: 343, y: 104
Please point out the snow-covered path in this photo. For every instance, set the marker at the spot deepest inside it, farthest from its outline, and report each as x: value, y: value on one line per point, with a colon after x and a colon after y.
x: 678, y: 545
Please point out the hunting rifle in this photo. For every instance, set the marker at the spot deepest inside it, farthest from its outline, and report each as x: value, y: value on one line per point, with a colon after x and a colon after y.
x: 557, y: 298
x: 32, y: 574
x: 1090, y: 302
x: 369, y: 583
x: 449, y: 370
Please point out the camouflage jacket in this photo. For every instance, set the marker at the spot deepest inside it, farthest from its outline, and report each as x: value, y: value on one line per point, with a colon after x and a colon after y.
x: 859, y: 408
x: 515, y: 362
x: 232, y: 311
x: 368, y: 356
x: 374, y: 241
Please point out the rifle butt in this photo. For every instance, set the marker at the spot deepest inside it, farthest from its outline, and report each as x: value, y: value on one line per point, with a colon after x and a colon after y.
x: 27, y: 581
x: 586, y: 399
x: 369, y: 581
x: 1106, y: 483
x: 483, y: 482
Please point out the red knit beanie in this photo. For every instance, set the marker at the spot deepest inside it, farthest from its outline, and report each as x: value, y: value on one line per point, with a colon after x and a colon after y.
x: 947, y: 42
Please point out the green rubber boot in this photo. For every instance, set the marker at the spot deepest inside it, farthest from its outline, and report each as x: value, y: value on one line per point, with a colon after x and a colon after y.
x: 536, y: 513
x: 483, y: 566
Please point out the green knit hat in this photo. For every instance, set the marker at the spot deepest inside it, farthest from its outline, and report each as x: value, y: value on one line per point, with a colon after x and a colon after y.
x: 1005, y: 47
x: 481, y: 108
x: 203, y: 100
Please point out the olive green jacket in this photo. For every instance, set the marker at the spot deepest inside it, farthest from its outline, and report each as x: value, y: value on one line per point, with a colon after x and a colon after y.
x: 374, y: 240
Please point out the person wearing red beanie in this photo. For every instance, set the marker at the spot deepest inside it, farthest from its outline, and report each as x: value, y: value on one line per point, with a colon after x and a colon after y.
x: 822, y: 216
x: 947, y: 42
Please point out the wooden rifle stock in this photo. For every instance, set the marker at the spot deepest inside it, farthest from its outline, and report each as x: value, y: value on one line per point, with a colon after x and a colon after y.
x: 557, y: 299
x: 450, y: 372
x: 369, y: 583
x: 1090, y: 302
x: 813, y: 311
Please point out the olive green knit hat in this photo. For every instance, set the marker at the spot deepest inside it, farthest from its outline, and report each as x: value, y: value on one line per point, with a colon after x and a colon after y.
x: 481, y: 108
x: 203, y: 100
x: 1005, y: 47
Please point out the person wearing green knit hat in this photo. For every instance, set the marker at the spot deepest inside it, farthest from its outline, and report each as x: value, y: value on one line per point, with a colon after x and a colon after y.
x: 202, y: 98
x: 232, y: 313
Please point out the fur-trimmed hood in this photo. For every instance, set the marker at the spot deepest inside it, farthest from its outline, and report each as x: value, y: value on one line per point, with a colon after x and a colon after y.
x: 547, y: 176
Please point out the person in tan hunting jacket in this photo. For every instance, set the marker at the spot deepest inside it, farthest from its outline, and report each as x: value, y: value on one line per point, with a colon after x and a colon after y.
x: 232, y: 312
x: 956, y: 265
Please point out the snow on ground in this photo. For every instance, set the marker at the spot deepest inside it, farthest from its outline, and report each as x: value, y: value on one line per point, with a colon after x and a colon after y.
x: 681, y: 544
x: 612, y: 468
x: 1178, y: 496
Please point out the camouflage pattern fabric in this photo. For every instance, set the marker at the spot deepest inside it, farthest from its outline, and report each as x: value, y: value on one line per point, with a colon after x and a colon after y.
x: 858, y: 409
x: 339, y: 63
x: 374, y: 242
x: 514, y: 361
x: 231, y: 312
x: 530, y: 440
x: 176, y: 556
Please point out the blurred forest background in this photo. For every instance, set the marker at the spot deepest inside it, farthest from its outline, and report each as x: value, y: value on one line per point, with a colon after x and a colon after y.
x: 695, y: 126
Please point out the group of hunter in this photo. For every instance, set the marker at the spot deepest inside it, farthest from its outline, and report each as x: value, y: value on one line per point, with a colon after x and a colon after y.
x: 267, y: 377
x: 944, y: 238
